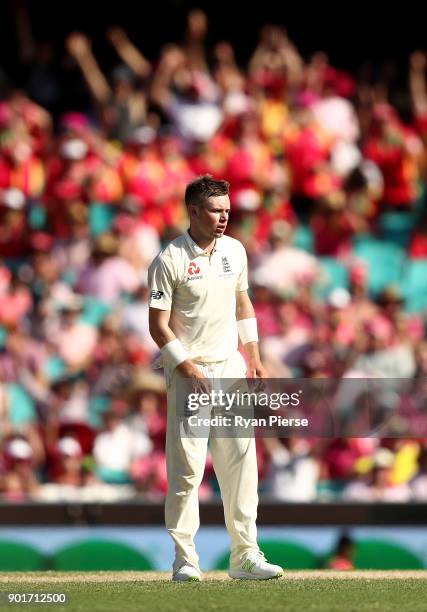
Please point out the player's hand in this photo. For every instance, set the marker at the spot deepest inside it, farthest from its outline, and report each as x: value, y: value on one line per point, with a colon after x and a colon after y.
x: 256, y: 372
x: 199, y: 382
x: 256, y: 369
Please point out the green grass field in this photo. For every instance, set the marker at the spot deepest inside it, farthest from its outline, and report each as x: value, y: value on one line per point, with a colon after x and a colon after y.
x: 313, y: 591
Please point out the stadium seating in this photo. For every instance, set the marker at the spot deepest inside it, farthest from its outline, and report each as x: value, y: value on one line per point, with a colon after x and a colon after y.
x: 334, y: 275
x: 414, y: 285
x: 396, y: 227
x: 384, y: 262
x: 303, y: 238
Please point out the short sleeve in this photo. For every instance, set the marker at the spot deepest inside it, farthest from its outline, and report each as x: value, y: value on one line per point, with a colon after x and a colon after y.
x: 160, y: 284
x: 242, y: 281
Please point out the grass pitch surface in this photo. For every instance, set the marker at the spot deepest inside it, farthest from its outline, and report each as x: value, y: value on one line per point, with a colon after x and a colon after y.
x: 315, y: 591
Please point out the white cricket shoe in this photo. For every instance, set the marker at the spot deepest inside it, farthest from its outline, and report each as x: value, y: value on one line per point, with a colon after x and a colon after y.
x: 254, y: 566
x: 186, y: 573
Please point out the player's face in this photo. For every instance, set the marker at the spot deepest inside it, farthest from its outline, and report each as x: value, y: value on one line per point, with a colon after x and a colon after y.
x: 213, y: 216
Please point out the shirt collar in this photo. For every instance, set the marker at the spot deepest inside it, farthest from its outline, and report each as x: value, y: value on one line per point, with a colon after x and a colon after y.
x: 195, y: 249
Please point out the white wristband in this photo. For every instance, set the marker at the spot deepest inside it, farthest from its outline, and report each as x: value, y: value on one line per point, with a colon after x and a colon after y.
x: 248, y: 331
x: 174, y: 353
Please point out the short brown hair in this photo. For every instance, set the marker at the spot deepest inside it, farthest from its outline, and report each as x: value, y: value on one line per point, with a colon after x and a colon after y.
x: 204, y: 187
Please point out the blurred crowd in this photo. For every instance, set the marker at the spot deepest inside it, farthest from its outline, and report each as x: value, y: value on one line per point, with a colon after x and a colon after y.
x: 328, y: 188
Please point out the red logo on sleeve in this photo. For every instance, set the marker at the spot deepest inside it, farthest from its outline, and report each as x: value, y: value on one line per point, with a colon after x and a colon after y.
x: 193, y: 268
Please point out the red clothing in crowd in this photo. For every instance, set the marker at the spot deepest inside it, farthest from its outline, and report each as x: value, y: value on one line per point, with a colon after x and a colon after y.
x: 395, y: 151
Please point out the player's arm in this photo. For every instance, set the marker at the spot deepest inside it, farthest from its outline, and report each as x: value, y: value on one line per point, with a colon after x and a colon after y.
x: 247, y: 326
x: 162, y: 283
x: 169, y: 345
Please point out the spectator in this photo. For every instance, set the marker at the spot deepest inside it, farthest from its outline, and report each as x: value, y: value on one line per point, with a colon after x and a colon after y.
x: 342, y: 558
x: 20, y: 481
x: 319, y: 164
x: 116, y: 448
x: 285, y: 267
x: 378, y: 485
x: 419, y: 482
x: 71, y: 471
x: 293, y: 470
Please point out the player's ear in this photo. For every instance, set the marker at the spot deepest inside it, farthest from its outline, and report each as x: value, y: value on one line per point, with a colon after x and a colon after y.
x: 193, y: 210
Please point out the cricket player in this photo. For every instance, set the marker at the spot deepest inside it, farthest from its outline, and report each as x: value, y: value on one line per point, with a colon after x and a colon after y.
x: 198, y: 307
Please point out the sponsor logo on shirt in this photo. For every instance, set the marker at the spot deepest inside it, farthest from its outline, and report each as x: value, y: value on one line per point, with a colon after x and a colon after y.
x: 156, y: 295
x: 193, y: 268
x: 193, y: 272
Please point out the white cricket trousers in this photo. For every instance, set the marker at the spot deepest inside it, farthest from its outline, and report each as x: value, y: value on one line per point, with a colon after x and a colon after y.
x: 235, y: 466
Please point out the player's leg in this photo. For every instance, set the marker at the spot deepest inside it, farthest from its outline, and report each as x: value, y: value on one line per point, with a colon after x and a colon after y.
x: 235, y: 465
x: 185, y: 462
x: 236, y: 468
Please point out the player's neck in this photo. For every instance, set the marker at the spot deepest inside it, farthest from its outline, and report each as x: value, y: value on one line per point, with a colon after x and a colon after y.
x: 205, y: 244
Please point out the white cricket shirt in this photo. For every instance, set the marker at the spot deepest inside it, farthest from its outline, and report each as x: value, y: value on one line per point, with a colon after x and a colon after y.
x: 200, y: 291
